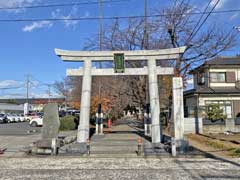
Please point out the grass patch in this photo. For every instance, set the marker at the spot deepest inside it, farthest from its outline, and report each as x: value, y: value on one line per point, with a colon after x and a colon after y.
x: 67, y: 123
x: 223, y: 146
x: 235, y: 152
x: 215, y: 145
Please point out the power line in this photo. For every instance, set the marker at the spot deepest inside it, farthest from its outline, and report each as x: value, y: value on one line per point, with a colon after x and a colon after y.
x: 223, y: 21
x: 194, y: 34
x: 119, y: 17
x: 60, y: 5
x: 200, y: 19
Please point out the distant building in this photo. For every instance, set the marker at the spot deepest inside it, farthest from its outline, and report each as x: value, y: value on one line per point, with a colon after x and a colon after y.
x: 11, y: 108
x: 17, y: 105
x: 215, y: 82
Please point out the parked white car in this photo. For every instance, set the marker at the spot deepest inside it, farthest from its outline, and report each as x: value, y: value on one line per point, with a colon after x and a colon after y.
x: 30, y: 116
x: 11, y: 118
x: 17, y: 118
x: 38, y: 121
x: 22, y: 118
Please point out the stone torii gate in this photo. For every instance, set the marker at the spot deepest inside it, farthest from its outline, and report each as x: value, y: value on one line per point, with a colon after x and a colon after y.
x: 152, y: 70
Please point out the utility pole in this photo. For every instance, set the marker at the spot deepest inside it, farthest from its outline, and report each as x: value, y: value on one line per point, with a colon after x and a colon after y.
x: 27, y: 88
x: 100, y: 24
x: 26, y: 105
x: 145, y: 45
x: 145, y: 26
x: 100, y: 45
x: 49, y: 92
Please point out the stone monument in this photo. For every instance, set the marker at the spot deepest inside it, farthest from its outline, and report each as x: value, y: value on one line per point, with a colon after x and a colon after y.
x: 49, y: 138
x: 51, y: 121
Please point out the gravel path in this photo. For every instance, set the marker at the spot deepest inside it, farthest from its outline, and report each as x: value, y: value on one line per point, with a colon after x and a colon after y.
x: 117, y: 168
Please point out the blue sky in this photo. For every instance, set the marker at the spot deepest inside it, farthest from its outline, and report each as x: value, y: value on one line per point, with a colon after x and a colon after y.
x: 28, y: 47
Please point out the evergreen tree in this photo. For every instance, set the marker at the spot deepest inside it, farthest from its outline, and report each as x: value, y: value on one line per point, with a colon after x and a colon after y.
x: 215, y: 113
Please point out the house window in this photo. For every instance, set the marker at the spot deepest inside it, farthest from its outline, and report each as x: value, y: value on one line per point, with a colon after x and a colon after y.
x: 218, y: 77
x: 226, y: 106
x: 201, y: 79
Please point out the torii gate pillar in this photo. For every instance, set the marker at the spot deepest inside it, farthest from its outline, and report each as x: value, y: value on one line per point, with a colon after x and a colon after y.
x: 83, y: 128
x: 154, y: 101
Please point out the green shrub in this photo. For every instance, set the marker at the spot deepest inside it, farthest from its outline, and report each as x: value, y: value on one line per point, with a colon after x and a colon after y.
x: 67, y: 123
x: 235, y: 152
x: 215, y: 113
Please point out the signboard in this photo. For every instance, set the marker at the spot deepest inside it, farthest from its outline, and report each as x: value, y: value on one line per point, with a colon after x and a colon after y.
x: 119, y: 64
x: 26, y: 108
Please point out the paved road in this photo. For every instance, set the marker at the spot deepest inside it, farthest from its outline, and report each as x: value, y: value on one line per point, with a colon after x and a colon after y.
x: 117, y: 168
x: 17, y: 129
x: 16, y: 136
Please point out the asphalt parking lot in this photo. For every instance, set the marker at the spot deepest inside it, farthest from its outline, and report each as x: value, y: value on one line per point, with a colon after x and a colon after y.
x: 16, y: 136
x: 21, y: 128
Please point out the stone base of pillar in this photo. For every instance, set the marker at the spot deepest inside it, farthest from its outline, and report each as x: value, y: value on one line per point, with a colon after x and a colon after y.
x: 147, y: 129
x: 182, y: 146
x: 156, y: 134
x: 77, y: 148
x: 82, y: 136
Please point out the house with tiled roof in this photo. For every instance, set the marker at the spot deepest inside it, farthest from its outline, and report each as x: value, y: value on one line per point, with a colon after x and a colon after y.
x: 217, y: 81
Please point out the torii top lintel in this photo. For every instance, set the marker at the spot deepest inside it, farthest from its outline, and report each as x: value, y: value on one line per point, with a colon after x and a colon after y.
x: 172, y: 53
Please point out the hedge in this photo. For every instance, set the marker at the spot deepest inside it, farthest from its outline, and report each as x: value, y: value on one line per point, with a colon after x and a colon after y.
x: 67, y: 123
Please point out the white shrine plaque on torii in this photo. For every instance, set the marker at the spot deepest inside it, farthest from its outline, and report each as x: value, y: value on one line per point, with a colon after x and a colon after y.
x: 152, y: 70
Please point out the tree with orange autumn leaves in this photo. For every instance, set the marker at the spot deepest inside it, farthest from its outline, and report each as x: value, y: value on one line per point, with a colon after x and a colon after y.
x: 105, y: 101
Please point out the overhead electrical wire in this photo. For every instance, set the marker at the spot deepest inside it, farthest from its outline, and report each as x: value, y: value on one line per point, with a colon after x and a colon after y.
x: 121, y: 17
x: 61, y: 5
x: 195, y: 33
x: 200, y: 19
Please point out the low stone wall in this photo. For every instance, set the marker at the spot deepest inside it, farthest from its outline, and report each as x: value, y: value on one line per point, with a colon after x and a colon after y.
x: 229, y: 125
x: 213, y: 128
x: 197, y: 125
x: 193, y: 125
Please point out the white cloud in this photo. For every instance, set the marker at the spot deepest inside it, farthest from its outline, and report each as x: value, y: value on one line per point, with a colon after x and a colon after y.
x: 37, y: 25
x: 220, y: 4
x: 11, y: 84
x: 16, y: 3
x: 237, y: 28
x: 58, y: 15
x: 13, y: 3
x: 73, y: 13
x: 234, y: 16
x: 67, y: 22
